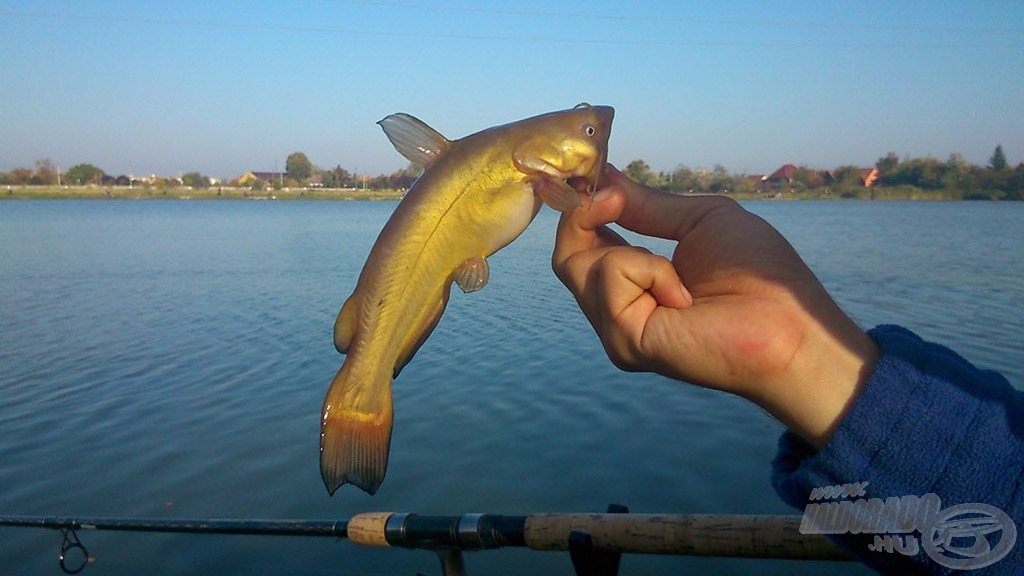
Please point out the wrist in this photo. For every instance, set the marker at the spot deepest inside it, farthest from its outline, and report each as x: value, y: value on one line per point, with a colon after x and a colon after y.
x: 828, y: 374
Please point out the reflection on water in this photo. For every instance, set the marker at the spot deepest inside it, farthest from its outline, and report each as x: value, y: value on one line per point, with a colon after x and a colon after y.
x: 168, y: 359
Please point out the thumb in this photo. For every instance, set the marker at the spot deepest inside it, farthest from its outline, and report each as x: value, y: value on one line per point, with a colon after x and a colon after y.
x: 586, y: 228
x: 652, y: 212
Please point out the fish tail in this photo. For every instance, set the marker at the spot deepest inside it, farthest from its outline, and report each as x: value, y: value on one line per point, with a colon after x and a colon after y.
x: 355, y: 432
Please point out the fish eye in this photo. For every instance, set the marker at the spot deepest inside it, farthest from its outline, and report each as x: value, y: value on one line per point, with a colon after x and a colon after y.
x: 589, y: 129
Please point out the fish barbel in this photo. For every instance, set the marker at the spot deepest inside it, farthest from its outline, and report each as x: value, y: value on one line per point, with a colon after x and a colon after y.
x: 475, y: 196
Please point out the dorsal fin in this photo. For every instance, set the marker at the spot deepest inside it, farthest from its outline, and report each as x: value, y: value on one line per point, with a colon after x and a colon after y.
x: 419, y: 143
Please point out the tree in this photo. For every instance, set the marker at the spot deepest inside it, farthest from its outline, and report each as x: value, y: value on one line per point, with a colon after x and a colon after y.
x: 403, y: 179
x: 807, y: 178
x: 920, y: 172
x: 721, y: 181
x: 958, y: 174
x: 298, y: 166
x: 195, y: 180
x: 887, y: 164
x: 998, y: 160
x: 1015, y: 184
x: 46, y: 173
x: 639, y: 172
x: 847, y: 176
x: 336, y: 177
x: 19, y: 176
x: 682, y: 179
x: 84, y: 174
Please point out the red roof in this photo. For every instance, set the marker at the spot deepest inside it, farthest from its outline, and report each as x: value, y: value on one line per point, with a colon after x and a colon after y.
x: 787, y: 172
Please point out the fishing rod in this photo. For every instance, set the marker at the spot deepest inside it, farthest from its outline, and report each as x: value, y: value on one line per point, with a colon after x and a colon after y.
x: 595, y: 541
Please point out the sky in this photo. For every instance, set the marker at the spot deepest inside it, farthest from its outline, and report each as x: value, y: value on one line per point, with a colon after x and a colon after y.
x: 225, y: 87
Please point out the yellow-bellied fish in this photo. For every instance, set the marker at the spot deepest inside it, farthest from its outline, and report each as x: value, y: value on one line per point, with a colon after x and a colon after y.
x: 475, y: 196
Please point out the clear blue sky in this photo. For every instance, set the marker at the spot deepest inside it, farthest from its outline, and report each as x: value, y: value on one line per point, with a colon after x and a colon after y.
x: 226, y: 87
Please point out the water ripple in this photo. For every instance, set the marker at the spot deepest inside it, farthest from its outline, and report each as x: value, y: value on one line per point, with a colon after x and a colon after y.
x: 169, y: 359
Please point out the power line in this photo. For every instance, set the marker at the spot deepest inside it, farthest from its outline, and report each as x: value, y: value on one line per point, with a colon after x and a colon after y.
x: 603, y: 41
x: 672, y: 20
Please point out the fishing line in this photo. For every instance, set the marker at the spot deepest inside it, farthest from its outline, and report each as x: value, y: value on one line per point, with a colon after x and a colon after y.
x: 757, y: 24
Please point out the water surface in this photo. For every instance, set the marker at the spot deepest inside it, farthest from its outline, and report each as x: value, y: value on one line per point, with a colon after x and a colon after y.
x: 169, y: 359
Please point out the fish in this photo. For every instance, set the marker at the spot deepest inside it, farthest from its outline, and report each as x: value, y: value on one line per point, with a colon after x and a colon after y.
x: 475, y: 195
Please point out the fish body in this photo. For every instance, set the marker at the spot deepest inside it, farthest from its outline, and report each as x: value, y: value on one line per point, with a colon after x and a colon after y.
x: 475, y: 196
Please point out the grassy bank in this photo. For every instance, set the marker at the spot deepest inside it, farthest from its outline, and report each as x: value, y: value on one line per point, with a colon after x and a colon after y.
x: 224, y: 193
x: 895, y: 193
x: 229, y: 193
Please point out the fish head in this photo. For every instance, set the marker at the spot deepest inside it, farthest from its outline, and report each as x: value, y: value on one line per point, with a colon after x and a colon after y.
x: 570, y: 145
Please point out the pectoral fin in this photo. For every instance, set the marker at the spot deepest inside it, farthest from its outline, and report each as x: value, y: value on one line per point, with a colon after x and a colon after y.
x: 473, y: 274
x: 419, y: 143
x: 557, y: 194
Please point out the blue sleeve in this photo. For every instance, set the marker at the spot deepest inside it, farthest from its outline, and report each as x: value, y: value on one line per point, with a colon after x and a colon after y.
x: 932, y: 437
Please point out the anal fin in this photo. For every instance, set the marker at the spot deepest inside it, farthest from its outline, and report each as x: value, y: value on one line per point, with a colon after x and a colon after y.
x: 430, y: 315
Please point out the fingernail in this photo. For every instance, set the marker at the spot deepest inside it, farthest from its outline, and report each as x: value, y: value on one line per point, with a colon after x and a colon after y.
x: 686, y: 294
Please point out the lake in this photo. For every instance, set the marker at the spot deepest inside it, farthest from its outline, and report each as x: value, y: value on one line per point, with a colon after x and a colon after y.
x: 169, y: 359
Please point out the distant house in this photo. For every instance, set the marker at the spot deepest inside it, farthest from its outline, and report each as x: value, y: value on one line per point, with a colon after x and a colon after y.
x: 784, y: 174
x: 788, y: 173
x: 868, y: 176
x: 249, y: 178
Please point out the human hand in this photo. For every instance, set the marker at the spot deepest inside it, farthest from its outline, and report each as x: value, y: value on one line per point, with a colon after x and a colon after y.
x: 735, y: 309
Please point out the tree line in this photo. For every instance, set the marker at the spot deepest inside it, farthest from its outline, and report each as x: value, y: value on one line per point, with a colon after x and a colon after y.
x: 954, y: 178
x: 299, y: 172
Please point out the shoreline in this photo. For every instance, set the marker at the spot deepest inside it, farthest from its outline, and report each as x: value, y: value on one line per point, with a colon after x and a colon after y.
x: 357, y: 194
x: 214, y: 193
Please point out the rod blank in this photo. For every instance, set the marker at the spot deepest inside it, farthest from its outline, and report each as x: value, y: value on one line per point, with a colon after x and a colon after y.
x: 744, y: 536
x: 332, y: 528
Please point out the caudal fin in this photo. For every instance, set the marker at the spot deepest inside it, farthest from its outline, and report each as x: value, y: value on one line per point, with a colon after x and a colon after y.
x: 355, y: 432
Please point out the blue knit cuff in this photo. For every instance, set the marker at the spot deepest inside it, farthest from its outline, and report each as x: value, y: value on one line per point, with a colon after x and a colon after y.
x: 926, y: 422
